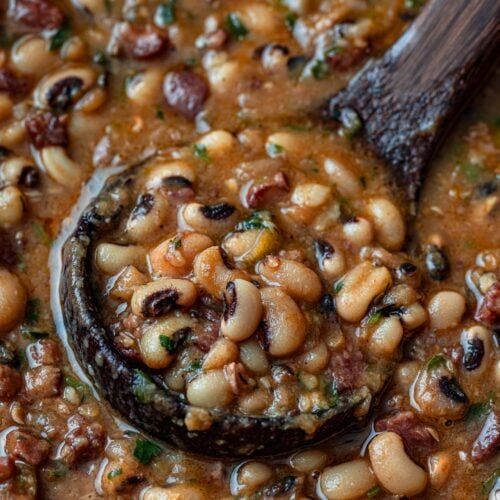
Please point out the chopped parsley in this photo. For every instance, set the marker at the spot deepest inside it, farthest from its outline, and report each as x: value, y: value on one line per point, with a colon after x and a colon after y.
x: 201, y: 152
x: 57, y: 40
x: 55, y: 470
x: 143, y: 387
x: 115, y: 473
x: 319, y: 69
x: 373, y: 492
x: 290, y: 20
x: 195, y: 366
x: 436, y: 362
x: 274, y: 149
x: 374, y: 318
x: 146, y: 450
x: 167, y: 343
x: 159, y: 113
x: 176, y: 243
x: 73, y: 382
x: 260, y: 219
x: 165, y: 14
x: 41, y: 233
x: 479, y: 410
x: 472, y: 171
x: 33, y: 311
x: 332, y: 394
x: 236, y: 27
x: 337, y: 287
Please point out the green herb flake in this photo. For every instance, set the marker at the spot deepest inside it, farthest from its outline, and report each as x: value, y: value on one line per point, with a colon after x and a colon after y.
x: 101, y: 59
x: 319, y: 69
x: 159, y: 113
x: 236, y: 27
x: 165, y: 14
x: 436, y: 362
x: 290, y: 20
x: 374, y: 318
x: 373, y: 492
x: 191, y: 62
x: 143, y: 387
x: 41, y: 233
x: 146, y: 450
x: 337, y: 287
x: 33, y: 334
x: 332, y: 394
x: 471, y: 171
x: 195, y: 366
x: 491, y: 482
x: 57, y: 40
x: 274, y: 149
x: 167, y: 343
x: 201, y: 152
x: 351, y: 123
x: 260, y: 219
x: 32, y: 311
x: 73, y: 382
x: 115, y: 473
x: 55, y: 470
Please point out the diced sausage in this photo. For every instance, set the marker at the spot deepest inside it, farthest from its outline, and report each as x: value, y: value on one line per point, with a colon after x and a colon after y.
x: 7, y: 469
x: 10, y: 382
x: 11, y: 84
x: 488, y: 310
x: 346, y: 368
x: 488, y: 441
x: 45, y: 352
x: 37, y: 14
x: 43, y: 382
x: 140, y: 42
x: 415, y: 434
x: 264, y: 192
x: 23, y: 445
x: 46, y: 129
x: 186, y: 92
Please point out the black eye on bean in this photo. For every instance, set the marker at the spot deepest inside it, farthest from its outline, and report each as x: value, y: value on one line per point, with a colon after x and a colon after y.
x: 218, y: 211
x: 283, y: 486
x: 144, y: 205
x: 7, y: 357
x: 474, y: 353
x: 323, y: 250
x: 450, y: 387
x: 30, y: 177
x: 437, y: 263
x: 62, y: 93
x: 159, y: 303
x: 327, y: 304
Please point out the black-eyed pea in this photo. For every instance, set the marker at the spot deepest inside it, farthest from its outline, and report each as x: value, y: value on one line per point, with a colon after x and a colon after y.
x: 296, y: 279
x: 31, y: 56
x: 145, y: 87
x: 6, y: 106
x: 255, y: 402
x: 393, y: 468
x: 218, y: 143
x: 284, y: 324
x: 242, y: 310
x: 60, y: 167
x: 12, y: 134
x: 486, y: 281
x: 147, y: 217
x: 439, y: 465
x: 253, y: 357
x: 314, y: 360
x: 213, y: 220
x: 111, y: 258
x: 13, y: 298
x: 175, y: 492
x: 161, y: 340
x: 386, y: 337
x: 91, y: 102
x: 405, y: 373
x: 222, y: 352
x: 19, y: 171
x: 63, y: 87
x: 210, y: 390
x: 253, y: 475
x: 162, y: 173
x: 174, y: 257
x: 388, y: 223
x: 290, y: 143
x: 308, y: 461
x: 343, y: 176
x: 347, y: 481
x: 413, y: 316
x: 446, y: 309
x: 311, y: 195
x: 12, y: 206
x: 359, y: 287
x: 126, y: 283
x: 260, y: 18
x: 212, y: 273
x: 358, y: 231
x: 476, y: 343
x: 222, y: 73
x: 401, y: 295
x: 74, y: 50
x: 159, y: 297
x: 331, y: 260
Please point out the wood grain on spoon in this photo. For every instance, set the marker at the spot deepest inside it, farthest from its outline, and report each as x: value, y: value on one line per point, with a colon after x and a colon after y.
x: 408, y: 99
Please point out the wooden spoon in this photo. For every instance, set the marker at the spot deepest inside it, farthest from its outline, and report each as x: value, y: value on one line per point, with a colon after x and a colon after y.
x: 408, y: 99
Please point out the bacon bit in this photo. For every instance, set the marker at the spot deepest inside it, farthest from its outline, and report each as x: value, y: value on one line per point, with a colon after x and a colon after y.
x: 415, y: 434
x: 346, y: 368
x: 215, y: 40
x: 46, y: 129
x: 45, y: 352
x: 37, y: 14
x: 185, y: 92
x: 25, y: 446
x: 236, y: 377
x: 12, y: 84
x: 7, y: 469
x: 488, y: 441
x: 10, y: 382
x: 43, y: 382
x: 264, y: 192
x: 139, y: 43
x: 488, y: 309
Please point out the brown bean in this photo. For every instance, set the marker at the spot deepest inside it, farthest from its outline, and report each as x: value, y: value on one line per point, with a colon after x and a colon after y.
x: 186, y: 92
x: 38, y: 14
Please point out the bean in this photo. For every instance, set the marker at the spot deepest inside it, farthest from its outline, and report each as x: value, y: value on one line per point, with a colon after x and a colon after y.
x: 223, y: 75
x: 311, y: 195
x: 446, y: 309
x: 12, y: 134
x: 6, y: 107
x: 159, y: 297
x: 260, y: 18
x: 476, y: 342
x: 127, y: 282
x: 112, y: 259
x: 439, y: 465
x: 309, y: 460
x: 13, y: 300
x: 11, y: 206
x: 185, y: 92
x: 358, y: 231
x: 218, y: 143
x: 388, y: 223
x: 144, y: 88
x: 31, y: 56
x: 255, y: 402
x: 314, y: 360
x: 61, y: 167
x: 74, y: 50
x: 174, y: 257
x: 345, y: 180
x: 393, y: 467
x: 359, y: 287
x: 253, y: 357
x: 252, y: 475
x: 284, y: 324
x: 406, y: 373
x: 386, y: 337
x: 147, y: 217
x: 292, y: 143
x: 331, y: 260
x: 437, y: 263
x: 175, y: 492
x: 242, y: 310
x: 159, y: 342
x: 213, y: 220
x: 159, y: 173
x: 347, y: 481
x: 296, y: 279
x: 212, y: 273
x: 223, y: 352
x: 210, y: 390
x: 19, y: 171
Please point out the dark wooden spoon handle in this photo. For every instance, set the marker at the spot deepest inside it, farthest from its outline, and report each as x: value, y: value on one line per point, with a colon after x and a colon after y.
x: 408, y: 99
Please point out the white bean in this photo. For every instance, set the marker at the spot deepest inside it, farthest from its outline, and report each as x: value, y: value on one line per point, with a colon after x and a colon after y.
x: 112, y: 259
x: 446, y: 309
x: 386, y: 337
x: 61, y: 167
x: 389, y: 223
x: 11, y: 206
x: 210, y: 390
x: 13, y: 298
